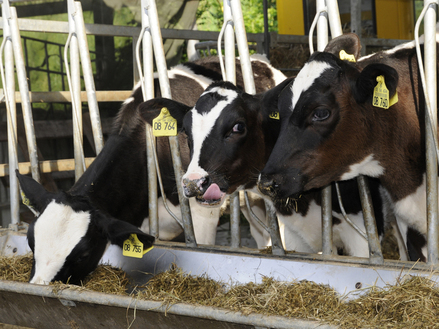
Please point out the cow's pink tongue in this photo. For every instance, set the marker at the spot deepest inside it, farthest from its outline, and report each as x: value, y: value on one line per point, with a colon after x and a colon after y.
x: 212, y: 193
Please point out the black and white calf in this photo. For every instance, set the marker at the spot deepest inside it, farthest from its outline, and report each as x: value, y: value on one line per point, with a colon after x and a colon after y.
x: 110, y: 200
x: 231, y: 135
x: 334, y: 130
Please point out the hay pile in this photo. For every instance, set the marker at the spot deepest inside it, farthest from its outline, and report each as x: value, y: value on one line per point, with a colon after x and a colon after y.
x: 412, y: 303
x: 104, y: 278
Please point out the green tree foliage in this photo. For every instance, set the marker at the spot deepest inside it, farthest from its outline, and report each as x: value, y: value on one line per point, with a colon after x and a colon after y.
x: 210, y: 15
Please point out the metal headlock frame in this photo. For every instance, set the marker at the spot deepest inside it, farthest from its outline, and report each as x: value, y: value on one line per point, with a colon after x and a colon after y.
x: 429, y: 86
x: 13, y: 50
x: 234, y: 24
x: 325, y: 10
x: 151, y: 35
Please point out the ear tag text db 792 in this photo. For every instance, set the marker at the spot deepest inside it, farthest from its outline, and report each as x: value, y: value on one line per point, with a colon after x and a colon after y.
x: 381, y: 94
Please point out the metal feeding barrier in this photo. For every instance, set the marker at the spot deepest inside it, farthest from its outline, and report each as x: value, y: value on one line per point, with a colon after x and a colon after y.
x: 226, y: 264
x: 150, y: 36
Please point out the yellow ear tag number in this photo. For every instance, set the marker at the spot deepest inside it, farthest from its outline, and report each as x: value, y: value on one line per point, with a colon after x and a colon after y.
x: 164, y: 124
x: 381, y: 94
x: 274, y: 115
x: 344, y: 56
x: 132, y: 247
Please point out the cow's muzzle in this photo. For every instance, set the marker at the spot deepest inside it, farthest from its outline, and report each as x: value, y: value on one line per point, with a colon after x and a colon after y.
x: 205, y: 192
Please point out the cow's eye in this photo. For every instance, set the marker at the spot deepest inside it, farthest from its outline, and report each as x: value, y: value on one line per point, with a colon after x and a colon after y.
x: 238, y: 128
x: 320, y: 114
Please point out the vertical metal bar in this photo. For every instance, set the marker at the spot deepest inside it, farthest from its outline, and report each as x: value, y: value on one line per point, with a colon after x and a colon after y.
x: 430, y: 60
x: 230, y: 68
x: 75, y: 75
x: 24, y: 92
x: 266, y: 32
x: 356, y: 17
x: 173, y: 140
x: 136, y: 75
x: 334, y: 18
x: 235, y: 214
x: 12, y: 121
x: 250, y: 88
x: 148, y: 85
x: 241, y: 39
x: 322, y: 40
x: 88, y: 78
x: 375, y: 254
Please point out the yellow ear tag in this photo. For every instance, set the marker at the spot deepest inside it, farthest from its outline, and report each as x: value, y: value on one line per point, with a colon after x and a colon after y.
x: 344, y: 56
x: 24, y: 199
x: 381, y: 94
x: 394, y: 99
x: 274, y: 115
x: 164, y: 124
x: 132, y: 247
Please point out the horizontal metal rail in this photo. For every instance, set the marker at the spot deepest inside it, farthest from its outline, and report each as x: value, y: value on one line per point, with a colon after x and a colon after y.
x: 130, y: 31
x: 64, y: 96
x: 46, y: 166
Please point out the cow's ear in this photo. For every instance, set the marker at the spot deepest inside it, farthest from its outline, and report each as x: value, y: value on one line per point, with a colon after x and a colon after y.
x: 367, y: 81
x: 149, y: 110
x: 349, y: 42
x: 117, y: 231
x: 35, y: 194
x: 270, y: 97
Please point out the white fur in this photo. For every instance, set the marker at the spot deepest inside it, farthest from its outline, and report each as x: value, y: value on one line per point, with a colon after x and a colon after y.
x: 306, y: 77
x: 368, y: 167
x: 205, y: 222
x: 57, y: 231
x: 187, y: 72
x: 202, y: 125
x: 412, y: 211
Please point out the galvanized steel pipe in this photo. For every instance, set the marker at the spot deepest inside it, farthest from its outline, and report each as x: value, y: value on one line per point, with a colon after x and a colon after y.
x: 148, y: 87
x: 11, y: 118
x: 430, y: 60
x: 173, y: 140
x: 24, y: 91
x: 88, y: 78
x: 375, y: 254
x: 75, y: 84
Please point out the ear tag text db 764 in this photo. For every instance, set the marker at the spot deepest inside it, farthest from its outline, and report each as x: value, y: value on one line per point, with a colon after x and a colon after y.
x: 164, y: 124
x: 133, y: 247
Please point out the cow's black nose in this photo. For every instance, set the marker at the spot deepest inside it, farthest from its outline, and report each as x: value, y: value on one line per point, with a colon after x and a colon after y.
x: 267, y: 186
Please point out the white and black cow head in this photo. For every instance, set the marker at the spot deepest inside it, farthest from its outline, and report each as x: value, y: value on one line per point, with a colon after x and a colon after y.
x: 328, y: 105
x: 70, y: 236
x: 228, y: 141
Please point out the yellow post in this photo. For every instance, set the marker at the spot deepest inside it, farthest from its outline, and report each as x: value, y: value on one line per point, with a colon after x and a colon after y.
x: 290, y: 17
x: 394, y: 19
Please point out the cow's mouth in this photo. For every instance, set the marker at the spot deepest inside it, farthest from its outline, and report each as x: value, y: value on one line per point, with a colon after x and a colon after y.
x: 212, y: 197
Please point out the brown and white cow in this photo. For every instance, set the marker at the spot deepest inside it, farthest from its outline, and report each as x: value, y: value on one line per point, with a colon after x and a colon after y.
x: 332, y: 131
x: 231, y: 135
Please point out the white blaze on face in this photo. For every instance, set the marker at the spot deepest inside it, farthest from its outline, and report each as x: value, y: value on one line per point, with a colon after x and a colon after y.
x: 202, y: 125
x: 306, y: 77
x: 57, y: 231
